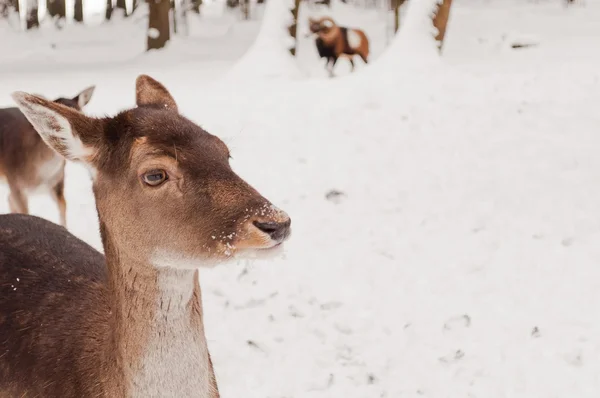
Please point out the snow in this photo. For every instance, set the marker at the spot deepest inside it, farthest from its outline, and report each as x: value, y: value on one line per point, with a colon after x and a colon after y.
x: 416, y: 43
x: 153, y: 33
x: 460, y: 257
x: 269, y: 57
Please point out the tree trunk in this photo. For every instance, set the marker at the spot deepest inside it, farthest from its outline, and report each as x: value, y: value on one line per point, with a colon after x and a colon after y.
x: 28, y: 14
x: 174, y: 16
x: 56, y: 8
x: 78, y: 11
x: 184, y: 7
x: 196, y: 6
x: 396, y: 5
x: 293, y: 28
x: 5, y: 7
x: 32, y: 17
x: 245, y: 4
x: 133, y: 6
x: 109, y: 10
x: 123, y: 6
x: 158, y: 24
x: 440, y: 21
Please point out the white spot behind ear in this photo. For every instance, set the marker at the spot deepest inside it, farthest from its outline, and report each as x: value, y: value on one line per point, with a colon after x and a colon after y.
x: 85, y: 96
x: 55, y: 129
x: 327, y: 23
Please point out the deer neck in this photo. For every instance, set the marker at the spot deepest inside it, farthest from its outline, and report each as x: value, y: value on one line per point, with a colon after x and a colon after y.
x: 157, y: 328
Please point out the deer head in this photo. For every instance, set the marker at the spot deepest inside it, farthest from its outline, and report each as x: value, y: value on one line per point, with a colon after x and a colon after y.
x: 318, y: 25
x: 314, y: 25
x: 326, y: 23
x: 79, y: 101
x: 164, y: 189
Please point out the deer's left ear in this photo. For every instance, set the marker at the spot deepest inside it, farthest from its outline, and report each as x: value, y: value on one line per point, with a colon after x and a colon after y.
x: 149, y: 92
x: 84, y: 97
x: 69, y: 132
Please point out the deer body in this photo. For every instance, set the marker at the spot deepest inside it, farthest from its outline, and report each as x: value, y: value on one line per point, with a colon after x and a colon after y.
x: 75, y: 323
x: 58, y: 314
x: 52, y: 311
x: 27, y: 163
x: 334, y: 42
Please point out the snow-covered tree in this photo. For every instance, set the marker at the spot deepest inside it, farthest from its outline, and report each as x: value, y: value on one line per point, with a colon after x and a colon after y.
x: 195, y: 6
x: 28, y: 14
x: 293, y: 28
x: 419, y: 40
x: 396, y: 4
x: 269, y: 55
x: 69, y: 11
x: 440, y: 21
x: 78, y: 11
x: 4, y: 8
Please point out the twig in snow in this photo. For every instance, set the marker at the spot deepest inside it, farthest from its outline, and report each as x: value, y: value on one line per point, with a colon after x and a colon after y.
x: 256, y: 346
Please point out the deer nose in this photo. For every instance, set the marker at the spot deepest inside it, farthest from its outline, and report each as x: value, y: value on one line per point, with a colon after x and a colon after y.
x: 277, y: 230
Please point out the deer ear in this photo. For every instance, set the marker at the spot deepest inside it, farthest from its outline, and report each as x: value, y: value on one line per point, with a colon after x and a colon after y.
x: 149, y: 92
x: 84, y: 97
x: 66, y: 130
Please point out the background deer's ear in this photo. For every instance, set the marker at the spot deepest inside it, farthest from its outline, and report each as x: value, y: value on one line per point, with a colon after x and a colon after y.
x: 149, y: 92
x: 66, y: 130
x: 84, y: 97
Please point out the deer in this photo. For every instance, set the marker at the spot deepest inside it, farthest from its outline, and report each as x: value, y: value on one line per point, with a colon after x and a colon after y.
x: 334, y: 42
x: 28, y: 164
x: 129, y: 322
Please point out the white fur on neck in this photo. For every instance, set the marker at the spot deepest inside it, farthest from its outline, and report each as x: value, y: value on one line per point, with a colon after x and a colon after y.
x: 162, y: 259
x: 175, y: 362
x: 175, y: 261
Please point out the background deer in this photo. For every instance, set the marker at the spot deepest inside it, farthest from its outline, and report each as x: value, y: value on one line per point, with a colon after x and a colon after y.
x: 335, y: 41
x: 77, y: 324
x: 28, y: 163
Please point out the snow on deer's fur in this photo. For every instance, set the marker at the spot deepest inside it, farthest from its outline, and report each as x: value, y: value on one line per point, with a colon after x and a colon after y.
x: 75, y: 323
x: 334, y: 42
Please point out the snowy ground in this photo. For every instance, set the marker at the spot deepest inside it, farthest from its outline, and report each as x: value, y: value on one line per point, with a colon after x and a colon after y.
x: 462, y: 260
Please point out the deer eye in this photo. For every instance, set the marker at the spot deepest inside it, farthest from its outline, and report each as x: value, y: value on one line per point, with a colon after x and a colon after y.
x: 154, y: 178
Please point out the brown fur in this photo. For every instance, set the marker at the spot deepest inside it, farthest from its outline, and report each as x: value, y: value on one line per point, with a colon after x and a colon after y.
x: 80, y: 324
x: 25, y: 159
